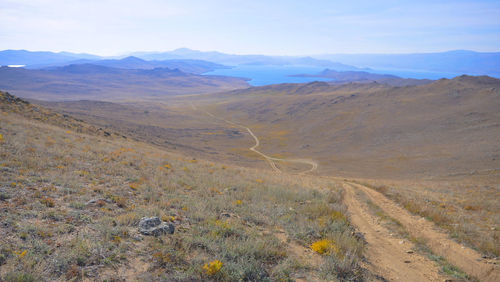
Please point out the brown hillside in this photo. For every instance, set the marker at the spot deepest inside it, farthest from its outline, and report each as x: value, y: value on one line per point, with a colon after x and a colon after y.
x: 444, y: 128
x: 71, y: 205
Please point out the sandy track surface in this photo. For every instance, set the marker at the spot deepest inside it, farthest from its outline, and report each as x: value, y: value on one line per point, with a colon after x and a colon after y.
x: 388, y: 256
x: 439, y: 242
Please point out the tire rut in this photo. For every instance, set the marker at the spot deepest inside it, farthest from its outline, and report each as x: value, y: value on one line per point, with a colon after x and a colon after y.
x: 439, y: 242
x: 386, y: 255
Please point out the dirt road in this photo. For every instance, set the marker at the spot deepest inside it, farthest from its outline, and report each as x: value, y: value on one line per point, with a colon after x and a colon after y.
x: 439, y: 242
x: 270, y: 160
x: 387, y: 255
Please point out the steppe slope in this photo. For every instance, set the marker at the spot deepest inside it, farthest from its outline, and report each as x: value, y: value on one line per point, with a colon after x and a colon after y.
x: 71, y: 199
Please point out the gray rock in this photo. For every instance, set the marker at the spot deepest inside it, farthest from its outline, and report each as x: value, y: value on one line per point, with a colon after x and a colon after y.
x: 153, y: 226
x: 6, y: 169
x: 149, y: 222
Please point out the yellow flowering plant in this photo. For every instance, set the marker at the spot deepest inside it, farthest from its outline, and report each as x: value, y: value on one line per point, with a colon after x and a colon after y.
x: 212, y: 268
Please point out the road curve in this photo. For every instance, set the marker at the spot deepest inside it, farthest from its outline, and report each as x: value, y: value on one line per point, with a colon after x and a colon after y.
x: 270, y: 160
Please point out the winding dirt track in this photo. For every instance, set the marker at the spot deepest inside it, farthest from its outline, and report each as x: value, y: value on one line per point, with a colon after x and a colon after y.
x: 439, y: 242
x: 388, y: 256
x: 270, y: 160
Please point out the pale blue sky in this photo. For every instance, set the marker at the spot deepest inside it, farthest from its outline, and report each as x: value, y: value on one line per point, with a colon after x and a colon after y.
x: 111, y: 27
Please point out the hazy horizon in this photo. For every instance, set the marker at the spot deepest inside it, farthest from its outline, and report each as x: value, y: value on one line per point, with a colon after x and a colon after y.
x: 132, y: 53
x: 113, y: 28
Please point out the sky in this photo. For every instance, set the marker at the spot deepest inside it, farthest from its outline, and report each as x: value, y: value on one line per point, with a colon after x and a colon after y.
x: 272, y: 27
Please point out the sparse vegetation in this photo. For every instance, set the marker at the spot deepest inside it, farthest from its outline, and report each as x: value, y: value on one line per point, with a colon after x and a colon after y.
x: 468, y: 212
x: 77, y: 199
x: 398, y: 229
x: 74, y: 193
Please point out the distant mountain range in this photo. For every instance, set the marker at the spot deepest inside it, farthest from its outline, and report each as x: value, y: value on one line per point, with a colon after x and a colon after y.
x: 458, y: 61
x: 234, y: 60
x: 131, y: 62
x: 453, y: 62
x: 40, y: 59
x: 185, y: 59
x: 444, y: 64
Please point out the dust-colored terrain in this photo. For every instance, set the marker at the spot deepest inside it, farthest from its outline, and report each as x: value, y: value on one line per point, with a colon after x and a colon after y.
x: 71, y: 200
x: 465, y: 258
x: 388, y: 256
x: 446, y: 128
x: 422, y: 160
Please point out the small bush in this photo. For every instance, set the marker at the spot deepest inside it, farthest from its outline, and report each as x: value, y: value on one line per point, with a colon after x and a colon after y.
x: 212, y: 268
x: 324, y: 247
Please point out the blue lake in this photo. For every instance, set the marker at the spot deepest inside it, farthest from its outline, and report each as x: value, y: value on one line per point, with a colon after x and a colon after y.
x: 266, y: 74
x: 271, y: 74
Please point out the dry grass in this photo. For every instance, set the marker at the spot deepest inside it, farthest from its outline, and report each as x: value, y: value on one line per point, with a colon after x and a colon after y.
x: 398, y: 230
x: 226, y: 214
x: 469, y: 212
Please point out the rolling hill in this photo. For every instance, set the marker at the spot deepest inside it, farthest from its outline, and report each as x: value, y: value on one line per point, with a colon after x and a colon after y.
x: 362, y: 76
x: 369, y: 130
x: 188, y: 66
x: 442, y: 128
x: 88, y: 81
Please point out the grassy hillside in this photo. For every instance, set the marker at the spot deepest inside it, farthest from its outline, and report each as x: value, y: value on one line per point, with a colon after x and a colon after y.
x: 432, y: 148
x: 174, y: 127
x: 72, y: 202
x: 465, y: 207
x: 75, y: 192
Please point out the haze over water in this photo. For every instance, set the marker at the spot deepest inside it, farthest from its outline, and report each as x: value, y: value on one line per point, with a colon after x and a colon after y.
x: 259, y: 75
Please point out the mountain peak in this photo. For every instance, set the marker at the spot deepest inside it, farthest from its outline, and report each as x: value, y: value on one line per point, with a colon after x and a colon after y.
x: 184, y: 51
x: 132, y: 59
